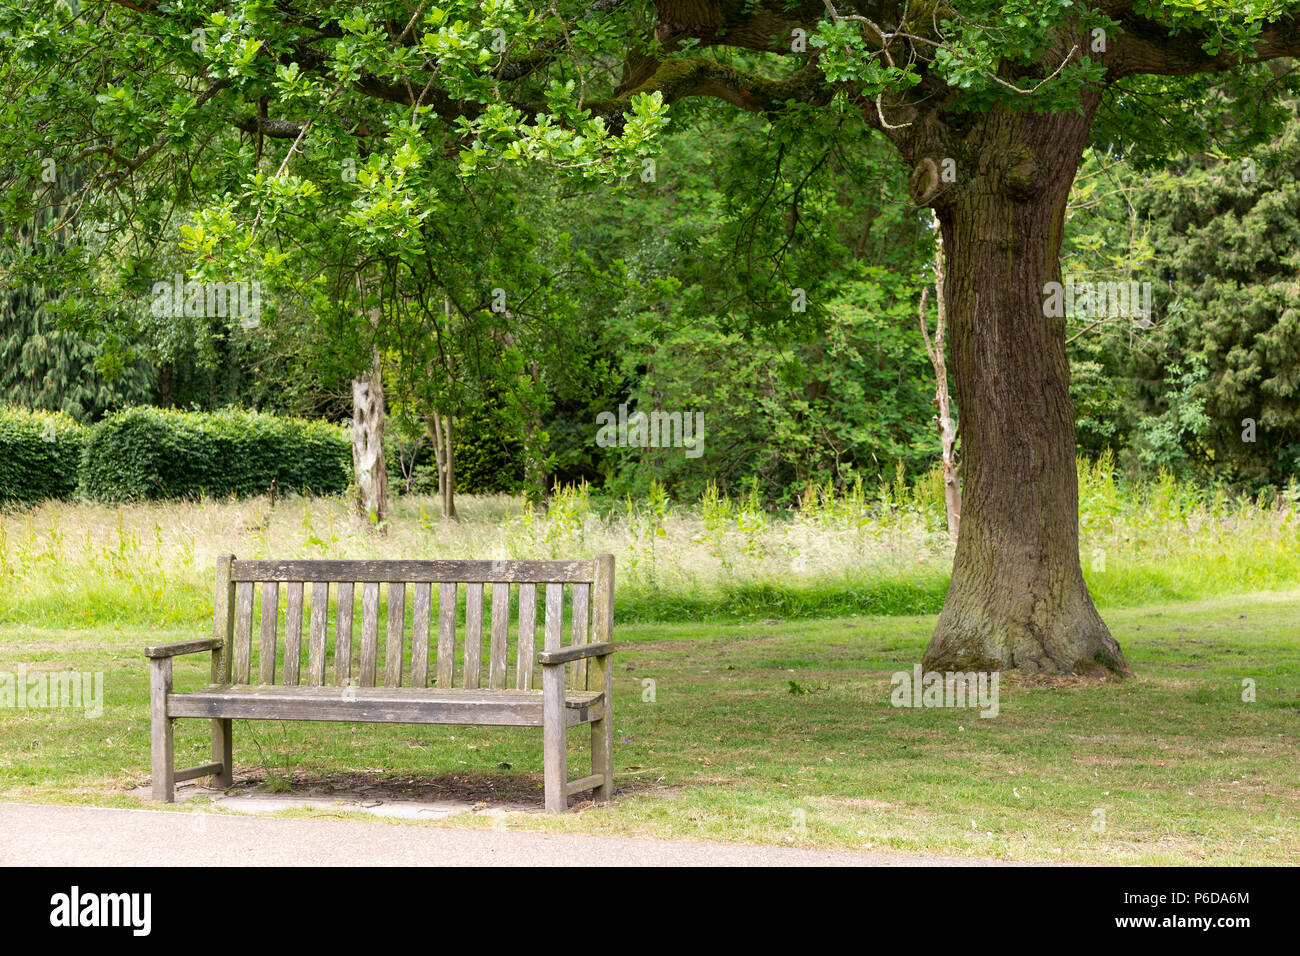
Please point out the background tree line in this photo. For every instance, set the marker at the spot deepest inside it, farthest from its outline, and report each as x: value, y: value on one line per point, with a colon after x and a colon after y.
x: 633, y: 296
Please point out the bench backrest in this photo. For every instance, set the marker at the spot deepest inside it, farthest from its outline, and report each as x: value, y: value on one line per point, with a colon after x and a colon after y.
x: 445, y: 643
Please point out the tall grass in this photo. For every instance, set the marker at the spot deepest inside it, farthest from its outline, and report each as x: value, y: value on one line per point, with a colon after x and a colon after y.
x: 858, y: 550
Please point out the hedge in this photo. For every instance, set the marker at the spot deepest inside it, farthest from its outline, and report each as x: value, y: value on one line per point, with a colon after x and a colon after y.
x: 145, y: 453
x: 39, y: 455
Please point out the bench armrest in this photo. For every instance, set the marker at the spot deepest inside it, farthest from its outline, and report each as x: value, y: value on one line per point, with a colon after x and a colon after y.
x: 183, y: 647
x: 575, y: 653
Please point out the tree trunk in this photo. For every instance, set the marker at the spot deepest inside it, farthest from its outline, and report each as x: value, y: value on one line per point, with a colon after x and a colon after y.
x: 368, y: 464
x: 165, y: 384
x: 536, y: 489
x: 1017, y: 597
x: 936, y: 349
x: 440, y: 430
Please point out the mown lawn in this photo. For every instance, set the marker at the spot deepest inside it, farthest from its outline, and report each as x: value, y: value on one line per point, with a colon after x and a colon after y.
x: 1184, y: 769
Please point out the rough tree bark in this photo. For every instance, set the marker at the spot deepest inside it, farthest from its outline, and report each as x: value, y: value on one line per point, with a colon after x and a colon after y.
x: 1017, y: 597
x: 936, y: 349
x: 368, y: 465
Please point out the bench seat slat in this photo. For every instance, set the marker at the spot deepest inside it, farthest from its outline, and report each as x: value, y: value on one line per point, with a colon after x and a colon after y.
x: 416, y: 705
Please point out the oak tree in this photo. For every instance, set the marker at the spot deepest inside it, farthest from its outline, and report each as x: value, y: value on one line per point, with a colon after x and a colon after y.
x: 251, y: 107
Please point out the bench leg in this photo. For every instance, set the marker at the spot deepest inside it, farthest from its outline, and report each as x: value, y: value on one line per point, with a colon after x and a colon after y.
x: 223, y: 753
x: 160, y: 729
x: 554, y: 739
x: 602, y: 732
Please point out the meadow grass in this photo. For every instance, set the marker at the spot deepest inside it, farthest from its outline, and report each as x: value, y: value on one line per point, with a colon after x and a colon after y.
x: 783, y: 733
x: 770, y: 638
x: 718, y: 559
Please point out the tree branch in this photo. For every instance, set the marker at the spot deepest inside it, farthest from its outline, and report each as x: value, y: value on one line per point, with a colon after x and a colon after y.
x: 1147, y: 46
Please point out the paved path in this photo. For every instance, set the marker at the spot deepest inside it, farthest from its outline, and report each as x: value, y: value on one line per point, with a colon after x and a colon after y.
x: 88, y: 836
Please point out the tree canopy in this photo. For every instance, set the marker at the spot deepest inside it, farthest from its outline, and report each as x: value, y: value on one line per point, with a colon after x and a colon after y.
x: 370, y: 161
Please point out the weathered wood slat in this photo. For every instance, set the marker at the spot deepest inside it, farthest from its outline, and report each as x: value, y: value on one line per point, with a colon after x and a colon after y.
x: 500, y: 636
x: 490, y: 572
x: 242, y: 661
x: 270, y: 616
x: 369, y: 633
x: 569, y: 654
x: 553, y: 627
x: 584, y: 783
x: 602, y: 621
x: 161, y: 746
x: 193, y: 773
x: 600, y: 676
x: 223, y: 629
x: 479, y: 695
x: 382, y: 705
x: 580, y: 624
x: 473, y: 634
x: 446, y: 634
x: 420, y: 608
x: 223, y: 619
x: 223, y: 753
x: 316, y: 633
x: 343, y: 634
x: 524, y: 661
x: 555, y: 757
x: 393, y: 643
x: 292, y: 633
x: 182, y: 647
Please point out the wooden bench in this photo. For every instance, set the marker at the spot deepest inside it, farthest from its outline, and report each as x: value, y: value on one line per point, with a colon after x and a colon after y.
x: 422, y: 682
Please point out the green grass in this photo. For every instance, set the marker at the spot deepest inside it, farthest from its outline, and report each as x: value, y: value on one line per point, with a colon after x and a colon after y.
x: 1185, y: 771
x: 716, y: 560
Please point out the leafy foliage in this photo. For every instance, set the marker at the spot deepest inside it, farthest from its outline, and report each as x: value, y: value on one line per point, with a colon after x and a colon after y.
x: 39, y: 455
x: 369, y: 161
x: 148, y: 453
x: 1217, y: 237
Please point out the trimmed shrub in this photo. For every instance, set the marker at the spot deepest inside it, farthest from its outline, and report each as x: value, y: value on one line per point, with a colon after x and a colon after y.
x: 39, y: 454
x: 145, y: 453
